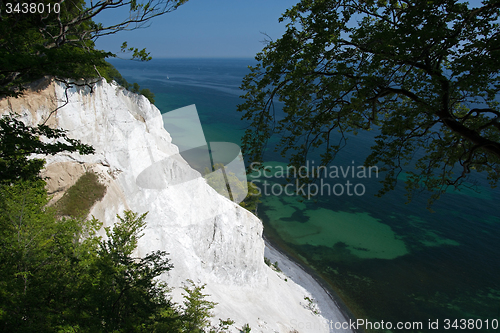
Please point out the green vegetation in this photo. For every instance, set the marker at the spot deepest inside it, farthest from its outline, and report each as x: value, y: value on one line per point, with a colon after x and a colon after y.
x: 111, y: 73
x: 220, y: 181
x: 60, y: 276
x: 80, y: 197
x: 311, y: 305
x: 252, y: 200
x: 61, y: 44
x: 246, y: 328
x: 248, y: 198
x: 274, y: 266
x: 267, y: 261
x: 197, y: 310
x: 407, y: 69
x: 18, y: 142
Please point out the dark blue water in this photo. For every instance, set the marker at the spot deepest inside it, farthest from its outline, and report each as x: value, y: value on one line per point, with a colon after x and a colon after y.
x: 387, y: 259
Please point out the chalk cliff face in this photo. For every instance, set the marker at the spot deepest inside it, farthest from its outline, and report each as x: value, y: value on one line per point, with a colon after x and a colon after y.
x: 210, y: 239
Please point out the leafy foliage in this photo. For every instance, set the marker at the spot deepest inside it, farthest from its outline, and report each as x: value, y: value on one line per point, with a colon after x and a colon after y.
x: 58, y: 44
x: 248, y: 197
x: 33, y: 45
x: 220, y: 181
x: 18, y: 142
x: 246, y: 328
x: 408, y: 70
x: 197, y: 311
x: 80, y: 197
x: 39, y: 259
x: 252, y: 199
x: 136, y: 53
x: 126, y: 296
x: 267, y: 261
x: 196, y: 307
x: 148, y: 94
x: 111, y: 73
x: 61, y: 276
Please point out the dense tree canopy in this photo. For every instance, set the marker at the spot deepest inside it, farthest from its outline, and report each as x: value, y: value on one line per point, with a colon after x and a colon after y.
x: 59, y: 275
x: 424, y: 74
x: 60, y: 40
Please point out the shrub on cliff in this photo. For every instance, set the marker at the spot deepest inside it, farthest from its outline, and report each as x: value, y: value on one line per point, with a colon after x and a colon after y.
x: 80, y: 197
x: 61, y: 276
x: 111, y: 73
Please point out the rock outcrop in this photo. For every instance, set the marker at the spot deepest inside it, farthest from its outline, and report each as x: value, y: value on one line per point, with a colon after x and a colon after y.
x: 211, y: 240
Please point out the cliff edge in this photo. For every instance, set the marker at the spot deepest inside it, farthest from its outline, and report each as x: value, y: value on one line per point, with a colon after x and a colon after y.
x: 211, y: 240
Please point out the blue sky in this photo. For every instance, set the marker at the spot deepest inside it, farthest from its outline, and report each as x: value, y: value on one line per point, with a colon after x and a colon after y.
x: 204, y: 28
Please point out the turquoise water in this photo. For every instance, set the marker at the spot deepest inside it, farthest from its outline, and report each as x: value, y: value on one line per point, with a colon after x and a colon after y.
x: 388, y: 260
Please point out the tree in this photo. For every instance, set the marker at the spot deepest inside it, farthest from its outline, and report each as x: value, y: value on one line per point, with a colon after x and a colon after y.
x: 111, y: 73
x: 227, y: 184
x: 39, y: 259
x: 148, y: 94
x: 123, y: 293
x: 135, y: 88
x: 59, y: 41
x: 18, y: 142
x: 56, y: 38
x: 424, y: 74
x: 197, y: 312
x: 197, y: 309
x: 61, y: 276
x: 246, y: 328
x: 252, y: 200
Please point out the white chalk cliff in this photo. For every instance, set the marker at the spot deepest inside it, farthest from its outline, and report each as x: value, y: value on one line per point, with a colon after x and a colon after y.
x: 211, y: 240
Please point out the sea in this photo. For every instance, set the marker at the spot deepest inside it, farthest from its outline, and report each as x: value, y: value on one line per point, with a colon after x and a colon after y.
x: 398, y: 266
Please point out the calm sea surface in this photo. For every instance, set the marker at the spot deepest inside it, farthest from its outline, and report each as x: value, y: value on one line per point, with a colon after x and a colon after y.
x: 387, y: 260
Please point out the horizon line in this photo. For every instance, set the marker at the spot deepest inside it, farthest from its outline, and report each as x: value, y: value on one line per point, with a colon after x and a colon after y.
x: 187, y: 57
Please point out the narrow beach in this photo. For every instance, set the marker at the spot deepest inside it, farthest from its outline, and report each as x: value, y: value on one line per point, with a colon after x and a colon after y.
x: 328, y: 305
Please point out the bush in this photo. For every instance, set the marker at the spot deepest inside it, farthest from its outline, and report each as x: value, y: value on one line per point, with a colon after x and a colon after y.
x: 61, y: 276
x: 267, y: 261
x: 80, y: 197
x: 110, y: 73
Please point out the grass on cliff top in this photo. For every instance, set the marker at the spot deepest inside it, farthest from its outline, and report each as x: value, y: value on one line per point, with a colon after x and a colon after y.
x: 80, y: 197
